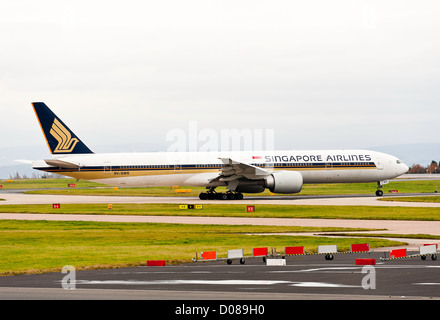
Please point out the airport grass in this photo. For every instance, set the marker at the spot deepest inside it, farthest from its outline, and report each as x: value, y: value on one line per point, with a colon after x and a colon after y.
x: 386, y: 235
x: 60, y: 186
x: 42, y: 246
x: 431, y: 199
x: 238, y: 210
x: 61, y: 183
x: 46, y: 246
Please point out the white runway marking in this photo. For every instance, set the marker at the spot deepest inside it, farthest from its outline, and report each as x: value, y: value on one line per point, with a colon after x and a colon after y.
x: 216, y: 282
x: 322, y: 285
x: 184, y: 282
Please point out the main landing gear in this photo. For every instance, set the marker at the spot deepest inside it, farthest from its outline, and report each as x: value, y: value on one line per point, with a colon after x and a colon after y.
x: 212, y: 195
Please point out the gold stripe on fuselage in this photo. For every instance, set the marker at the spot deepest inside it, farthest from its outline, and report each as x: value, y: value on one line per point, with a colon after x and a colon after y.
x: 95, y: 174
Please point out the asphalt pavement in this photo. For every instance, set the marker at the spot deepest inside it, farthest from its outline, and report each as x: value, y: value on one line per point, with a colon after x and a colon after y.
x: 303, y: 277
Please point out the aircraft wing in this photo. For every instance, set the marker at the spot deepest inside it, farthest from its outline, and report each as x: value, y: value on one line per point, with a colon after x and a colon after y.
x: 233, y: 170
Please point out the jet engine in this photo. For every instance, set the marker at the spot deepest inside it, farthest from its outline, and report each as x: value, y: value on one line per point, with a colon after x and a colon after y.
x: 284, y: 182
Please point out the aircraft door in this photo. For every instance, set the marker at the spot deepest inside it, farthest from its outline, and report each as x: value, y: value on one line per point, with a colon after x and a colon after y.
x: 379, y: 164
x: 107, y: 167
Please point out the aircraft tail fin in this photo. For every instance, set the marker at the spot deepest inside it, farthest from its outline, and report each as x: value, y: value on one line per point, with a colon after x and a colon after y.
x: 59, y: 138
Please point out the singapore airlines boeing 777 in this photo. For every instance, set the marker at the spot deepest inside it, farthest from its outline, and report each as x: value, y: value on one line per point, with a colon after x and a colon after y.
x: 241, y: 172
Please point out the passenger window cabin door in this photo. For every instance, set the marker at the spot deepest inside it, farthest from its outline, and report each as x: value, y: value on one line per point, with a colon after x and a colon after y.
x: 107, y: 167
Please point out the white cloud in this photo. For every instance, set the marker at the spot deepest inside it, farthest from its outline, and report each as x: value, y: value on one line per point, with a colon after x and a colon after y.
x: 129, y: 71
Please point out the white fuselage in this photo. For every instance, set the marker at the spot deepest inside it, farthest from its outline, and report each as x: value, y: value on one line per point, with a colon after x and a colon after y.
x: 200, y: 168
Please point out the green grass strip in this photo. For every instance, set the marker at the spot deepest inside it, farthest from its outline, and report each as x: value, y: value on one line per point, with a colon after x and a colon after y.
x: 431, y: 199
x: 42, y: 246
x: 239, y: 210
x: 91, y: 188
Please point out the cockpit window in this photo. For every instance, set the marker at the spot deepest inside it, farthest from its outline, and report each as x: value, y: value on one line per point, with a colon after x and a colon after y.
x: 398, y: 161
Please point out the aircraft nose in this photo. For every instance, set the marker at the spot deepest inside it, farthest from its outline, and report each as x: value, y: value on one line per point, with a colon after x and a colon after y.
x: 405, y: 168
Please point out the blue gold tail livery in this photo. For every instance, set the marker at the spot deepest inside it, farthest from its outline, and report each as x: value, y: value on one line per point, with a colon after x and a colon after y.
x: 60, y: 139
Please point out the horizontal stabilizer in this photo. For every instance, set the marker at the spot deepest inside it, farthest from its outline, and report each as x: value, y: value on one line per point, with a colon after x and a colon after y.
x: 24, y: 161
x: 62, y: 164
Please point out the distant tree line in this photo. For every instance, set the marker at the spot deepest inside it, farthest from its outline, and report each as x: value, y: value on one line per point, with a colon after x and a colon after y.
x: 432, y: 168
x: 35, y: 175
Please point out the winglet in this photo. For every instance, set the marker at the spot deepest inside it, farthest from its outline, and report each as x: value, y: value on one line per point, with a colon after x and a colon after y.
x: 60, y: 139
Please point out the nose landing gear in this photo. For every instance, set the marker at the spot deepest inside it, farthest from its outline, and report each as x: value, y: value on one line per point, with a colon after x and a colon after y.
x: 380, y: 184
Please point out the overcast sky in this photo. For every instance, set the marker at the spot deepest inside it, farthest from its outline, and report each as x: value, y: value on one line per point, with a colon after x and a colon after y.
x: 321, y: 74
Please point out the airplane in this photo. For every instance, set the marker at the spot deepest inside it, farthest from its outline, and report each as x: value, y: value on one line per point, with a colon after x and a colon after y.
x: 282, y: 172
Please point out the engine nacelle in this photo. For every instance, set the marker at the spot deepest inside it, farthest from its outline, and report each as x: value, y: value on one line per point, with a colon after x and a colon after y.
x: 285, y: 182
x: 250, y: 189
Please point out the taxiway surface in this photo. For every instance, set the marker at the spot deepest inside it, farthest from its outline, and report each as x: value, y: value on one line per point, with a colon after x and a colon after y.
x: 304, y: 277
x: 16, y: 197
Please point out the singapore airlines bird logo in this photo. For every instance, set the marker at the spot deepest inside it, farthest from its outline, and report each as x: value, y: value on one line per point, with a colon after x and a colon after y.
x: 65, y: 141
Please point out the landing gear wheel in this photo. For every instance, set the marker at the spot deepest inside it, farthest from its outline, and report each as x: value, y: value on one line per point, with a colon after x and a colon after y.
x: 211, y: 195
x: 379, y: 191
x: 222, y: 196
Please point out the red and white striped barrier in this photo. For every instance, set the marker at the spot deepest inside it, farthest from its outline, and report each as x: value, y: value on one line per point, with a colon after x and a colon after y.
x: 397, y: 253
x: 156, y: 263
x: 235, y: 254
x: 259, y: 252
x: 276, y: 262
x: 208, y: 255
x: 424, y: 251
x: 360, y: 247
x: 363, y: 262
x: 428, y: 249
x: 328, y: 250
x: 299, y: 250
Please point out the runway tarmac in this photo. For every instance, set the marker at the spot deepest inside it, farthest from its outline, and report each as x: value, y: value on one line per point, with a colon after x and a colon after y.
x: 15, y: 197
x: 306, y: 277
